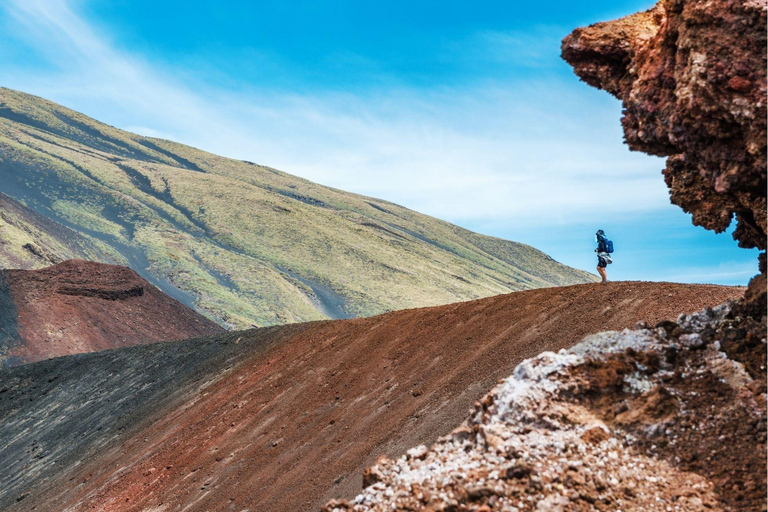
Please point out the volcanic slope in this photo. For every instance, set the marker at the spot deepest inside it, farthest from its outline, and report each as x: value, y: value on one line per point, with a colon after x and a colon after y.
x: 81, y: 306
x: 251, y: 244
x: 283, y: 418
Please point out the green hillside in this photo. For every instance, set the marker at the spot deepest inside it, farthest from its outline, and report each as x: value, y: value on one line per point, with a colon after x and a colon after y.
x: 242, y: 243
x: 29, y: 240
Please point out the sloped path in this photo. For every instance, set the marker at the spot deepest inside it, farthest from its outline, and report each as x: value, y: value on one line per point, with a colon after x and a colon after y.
x: 284, y: 419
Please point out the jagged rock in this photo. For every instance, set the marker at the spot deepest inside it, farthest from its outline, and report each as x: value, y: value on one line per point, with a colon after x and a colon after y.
x: 692, y: 77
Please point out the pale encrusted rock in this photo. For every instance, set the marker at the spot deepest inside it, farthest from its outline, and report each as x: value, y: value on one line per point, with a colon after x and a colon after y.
x: 582, y: 430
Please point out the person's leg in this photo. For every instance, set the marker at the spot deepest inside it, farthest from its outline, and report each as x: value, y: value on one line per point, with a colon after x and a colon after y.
x: 601, y: 271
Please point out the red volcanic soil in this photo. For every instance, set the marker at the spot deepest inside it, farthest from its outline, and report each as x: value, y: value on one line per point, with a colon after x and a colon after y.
x: 649, y: 420
x: 80, y: 306
x: 287, y: 417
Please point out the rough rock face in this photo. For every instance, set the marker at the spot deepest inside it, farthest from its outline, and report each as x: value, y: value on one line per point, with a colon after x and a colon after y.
x: 80, y: 306
x: 669, y: 418
x: 692, y: 78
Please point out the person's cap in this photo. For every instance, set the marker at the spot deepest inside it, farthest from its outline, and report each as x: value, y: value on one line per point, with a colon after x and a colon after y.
x: 600, y: 232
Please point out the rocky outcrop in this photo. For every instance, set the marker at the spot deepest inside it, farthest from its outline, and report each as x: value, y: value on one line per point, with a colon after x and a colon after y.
x: 655, y: 419
x: 691, y: 75
x: 80, y: 306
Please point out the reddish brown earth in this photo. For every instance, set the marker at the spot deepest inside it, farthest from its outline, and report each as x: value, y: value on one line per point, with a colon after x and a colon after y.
x: 664, y: 418
x: 691, y: 75
x: 79, y: 306
x: 285, y: 418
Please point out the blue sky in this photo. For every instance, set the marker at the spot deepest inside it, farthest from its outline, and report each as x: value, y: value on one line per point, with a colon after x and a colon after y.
x: 463, y: 112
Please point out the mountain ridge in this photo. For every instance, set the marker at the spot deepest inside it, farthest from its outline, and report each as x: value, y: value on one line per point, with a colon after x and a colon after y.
x: 254, y: 245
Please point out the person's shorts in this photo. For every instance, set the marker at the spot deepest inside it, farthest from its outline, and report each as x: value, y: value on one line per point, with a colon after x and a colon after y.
x: 603, y: 260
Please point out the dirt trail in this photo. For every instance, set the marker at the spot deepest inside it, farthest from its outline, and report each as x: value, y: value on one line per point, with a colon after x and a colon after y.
x: 285, y: 425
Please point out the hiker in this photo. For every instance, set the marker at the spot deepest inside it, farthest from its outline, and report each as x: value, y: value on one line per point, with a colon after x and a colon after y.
x: 604, y: 248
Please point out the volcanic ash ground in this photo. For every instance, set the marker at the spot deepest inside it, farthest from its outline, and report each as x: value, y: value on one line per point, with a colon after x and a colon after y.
x: 670, y: 418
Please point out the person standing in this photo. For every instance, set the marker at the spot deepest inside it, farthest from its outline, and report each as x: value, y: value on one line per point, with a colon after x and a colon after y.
x: 604, y: 248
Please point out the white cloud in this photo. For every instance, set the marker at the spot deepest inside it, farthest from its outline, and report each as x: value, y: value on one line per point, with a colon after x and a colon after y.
x: 532, y: 152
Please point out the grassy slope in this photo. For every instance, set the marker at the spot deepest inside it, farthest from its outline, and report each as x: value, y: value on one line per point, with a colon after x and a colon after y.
x: 31, y: 241
x: 254, y: 245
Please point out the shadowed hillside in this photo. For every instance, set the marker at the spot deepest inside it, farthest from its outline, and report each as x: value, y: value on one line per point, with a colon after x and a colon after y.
x: 283, y: 418
x: 251, y: 244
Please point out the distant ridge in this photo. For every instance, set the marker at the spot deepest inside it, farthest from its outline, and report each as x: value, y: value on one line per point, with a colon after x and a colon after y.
x: 243, y: 243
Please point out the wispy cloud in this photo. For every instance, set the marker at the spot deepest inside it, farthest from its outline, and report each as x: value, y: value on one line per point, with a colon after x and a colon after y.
x: 515, y: 149
x: 530, y: 48
x: 722, y: 273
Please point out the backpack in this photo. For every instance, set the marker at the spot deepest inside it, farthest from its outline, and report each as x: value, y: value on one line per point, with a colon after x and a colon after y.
x: 608, y: 246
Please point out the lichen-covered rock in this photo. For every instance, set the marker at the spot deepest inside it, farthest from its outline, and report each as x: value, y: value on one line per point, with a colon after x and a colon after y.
x: 656, y: 419
x: 692, y: 78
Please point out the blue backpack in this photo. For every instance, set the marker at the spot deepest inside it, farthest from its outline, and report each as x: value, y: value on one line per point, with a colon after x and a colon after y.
x: 608, y: 246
